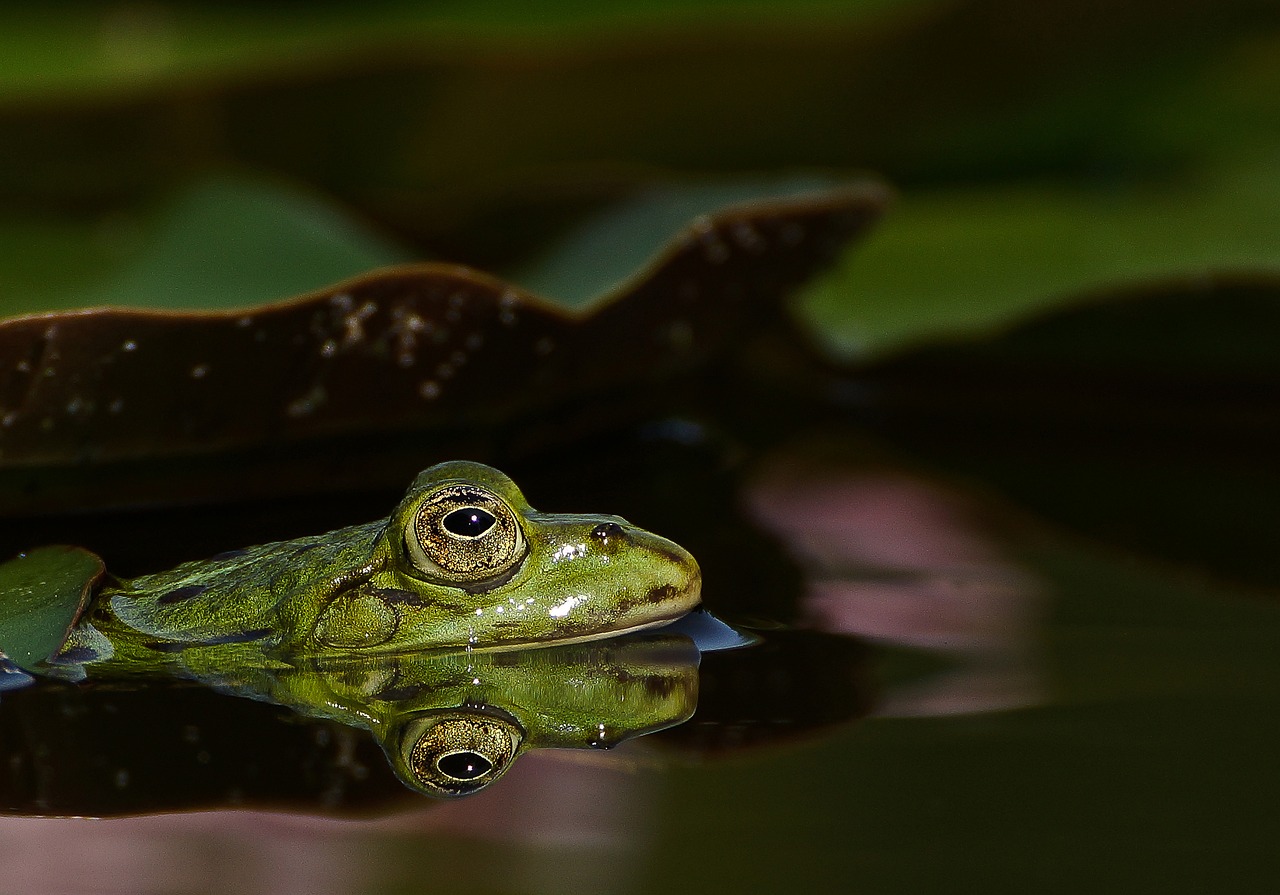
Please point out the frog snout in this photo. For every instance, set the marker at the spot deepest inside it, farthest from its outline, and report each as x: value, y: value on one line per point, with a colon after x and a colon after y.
x: 680, y: 576
x: 673, y: 572
x: 693, y: 582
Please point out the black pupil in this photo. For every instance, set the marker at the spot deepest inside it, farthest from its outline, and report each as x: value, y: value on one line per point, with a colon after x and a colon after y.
x: 468, y: 522
x: 464, y: 765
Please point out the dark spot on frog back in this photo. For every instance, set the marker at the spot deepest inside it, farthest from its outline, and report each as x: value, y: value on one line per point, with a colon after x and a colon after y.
x: 181, y: 594
x: 167, y: 646
x: 170, y: 646
x: 238, y: 637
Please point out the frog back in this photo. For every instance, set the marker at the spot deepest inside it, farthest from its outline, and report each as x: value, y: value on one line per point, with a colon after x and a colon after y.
x: 270, y: 594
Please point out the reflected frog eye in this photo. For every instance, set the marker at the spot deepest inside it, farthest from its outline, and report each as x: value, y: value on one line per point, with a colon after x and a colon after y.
x: 463, y: 534
x: 463, y: 766
x: 457, y: 755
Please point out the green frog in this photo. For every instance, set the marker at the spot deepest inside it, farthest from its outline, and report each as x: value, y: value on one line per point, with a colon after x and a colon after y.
x: 463, y: 561
x: 419, y: 628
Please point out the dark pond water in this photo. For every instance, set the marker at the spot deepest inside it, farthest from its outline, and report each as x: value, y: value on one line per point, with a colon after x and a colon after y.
x: 987, y: 663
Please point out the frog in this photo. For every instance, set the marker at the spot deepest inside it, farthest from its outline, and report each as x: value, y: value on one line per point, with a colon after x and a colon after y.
x: 462, y: 561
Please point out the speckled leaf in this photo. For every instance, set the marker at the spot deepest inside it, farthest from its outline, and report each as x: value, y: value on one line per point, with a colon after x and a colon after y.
x: 608, y: 247
x: 42, y: 593
x: 409, y: 349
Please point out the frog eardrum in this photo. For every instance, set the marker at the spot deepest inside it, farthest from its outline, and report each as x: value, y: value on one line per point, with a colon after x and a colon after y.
x: 463, y: 534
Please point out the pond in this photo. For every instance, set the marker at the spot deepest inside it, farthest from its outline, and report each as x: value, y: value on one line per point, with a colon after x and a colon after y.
x: 942, y: 334
x: 959, y: 682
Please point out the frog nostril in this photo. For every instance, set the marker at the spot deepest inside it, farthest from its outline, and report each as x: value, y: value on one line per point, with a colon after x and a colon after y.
x: 606, y: 530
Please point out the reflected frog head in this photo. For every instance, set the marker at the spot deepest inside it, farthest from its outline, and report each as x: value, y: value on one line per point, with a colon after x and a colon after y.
x: 452, y: 723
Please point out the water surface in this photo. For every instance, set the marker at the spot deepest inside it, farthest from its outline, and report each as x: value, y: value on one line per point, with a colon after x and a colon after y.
x: 957, y: 689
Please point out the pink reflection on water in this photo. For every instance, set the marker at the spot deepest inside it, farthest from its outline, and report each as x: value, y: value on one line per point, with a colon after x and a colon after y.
x: 895, y: 557
x: 559, y: 820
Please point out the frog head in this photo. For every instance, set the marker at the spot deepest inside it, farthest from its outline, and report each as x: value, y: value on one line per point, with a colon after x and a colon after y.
x: 464, y: 560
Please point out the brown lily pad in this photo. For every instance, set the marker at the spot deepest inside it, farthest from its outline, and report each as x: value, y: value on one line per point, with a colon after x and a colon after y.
x: 418, y: 349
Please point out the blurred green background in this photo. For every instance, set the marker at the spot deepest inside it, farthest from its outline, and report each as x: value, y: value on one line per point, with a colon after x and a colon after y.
x: 196, y: 154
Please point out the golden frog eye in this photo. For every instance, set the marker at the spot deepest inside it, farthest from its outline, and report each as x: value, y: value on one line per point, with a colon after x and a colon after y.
x: 464, y: 534
x: 457, y: 755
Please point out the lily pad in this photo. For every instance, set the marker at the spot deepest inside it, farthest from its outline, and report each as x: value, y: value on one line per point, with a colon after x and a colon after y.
x: 974, y: 262
x: 221, y: 243
x: 45, y: 591
x: 598, y: 256
x: 416, y: 349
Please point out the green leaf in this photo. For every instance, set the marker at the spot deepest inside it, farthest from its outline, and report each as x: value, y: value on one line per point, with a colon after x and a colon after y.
x: 42, y: 593
x: 606, y: 250
x: 223, y: 243
x: 968, y: 262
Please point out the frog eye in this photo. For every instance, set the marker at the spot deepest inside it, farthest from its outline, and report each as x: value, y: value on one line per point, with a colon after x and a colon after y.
x: 457, y: 755
x: 468, y: 522
x: 463, y: 534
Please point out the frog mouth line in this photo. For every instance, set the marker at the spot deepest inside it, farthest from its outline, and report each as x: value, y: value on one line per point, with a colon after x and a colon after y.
x: 681, y: 600
x: 509, y: 645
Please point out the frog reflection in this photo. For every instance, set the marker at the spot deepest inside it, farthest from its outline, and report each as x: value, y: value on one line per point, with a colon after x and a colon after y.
x: 453, y: 722
x: 356, y: 626
x: 449, y: 722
